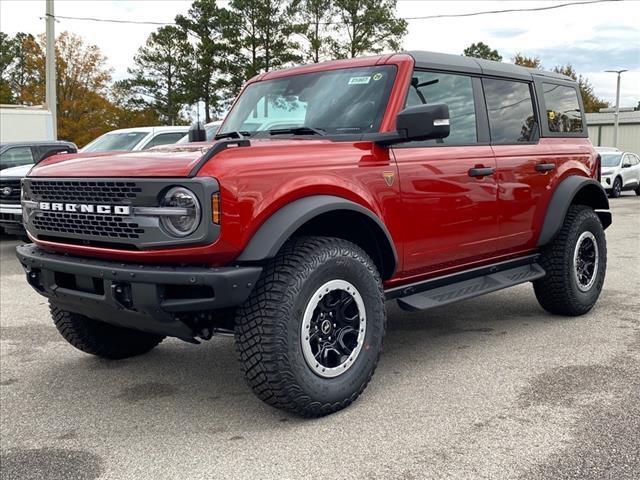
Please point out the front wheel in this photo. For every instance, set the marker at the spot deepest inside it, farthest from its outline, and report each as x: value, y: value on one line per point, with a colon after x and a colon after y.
x: 310, y: 334
x: 616, y: 190
x: 575, y: 262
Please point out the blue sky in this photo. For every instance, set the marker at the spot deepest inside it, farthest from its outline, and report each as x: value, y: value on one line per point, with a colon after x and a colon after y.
x: 593, y: 37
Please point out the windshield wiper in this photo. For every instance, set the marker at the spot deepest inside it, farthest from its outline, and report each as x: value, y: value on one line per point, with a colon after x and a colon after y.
x: 298, y: 131
x: 241, y: 134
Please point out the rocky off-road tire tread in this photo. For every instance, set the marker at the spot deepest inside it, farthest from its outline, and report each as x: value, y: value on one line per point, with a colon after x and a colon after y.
x: 261, y: 324
x: 100, y: 338
x: 554, y: 291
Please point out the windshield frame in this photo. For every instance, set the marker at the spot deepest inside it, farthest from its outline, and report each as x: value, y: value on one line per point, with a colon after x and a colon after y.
x: 390, y: 83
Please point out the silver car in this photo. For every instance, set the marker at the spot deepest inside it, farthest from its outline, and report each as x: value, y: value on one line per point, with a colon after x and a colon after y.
x: 620, y: 171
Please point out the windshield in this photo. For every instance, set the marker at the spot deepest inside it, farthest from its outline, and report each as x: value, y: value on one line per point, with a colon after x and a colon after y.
x: 350, y: 100
x: 15, y: 157
x: 115, y: 141
x: 610, y: 159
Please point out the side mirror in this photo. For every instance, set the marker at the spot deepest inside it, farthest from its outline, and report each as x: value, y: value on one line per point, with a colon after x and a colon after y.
x: 626, y: 165
x: 424, y: 122
x: 421, y: 122
x: 197, y: 133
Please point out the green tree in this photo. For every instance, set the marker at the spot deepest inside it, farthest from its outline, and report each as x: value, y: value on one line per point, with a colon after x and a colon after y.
x: 531, y: 62
x: 204, y: 79
x: 313, y: 18
x: 161, y: 67
x: 8, y: 53
x: 482, y: 50
x: 591, y: 102
x: 366, y: 26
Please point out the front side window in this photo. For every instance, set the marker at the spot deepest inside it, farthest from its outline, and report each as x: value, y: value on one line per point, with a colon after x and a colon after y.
x: 16, y: 157
x: 454, y: 90
x: 510, y: 110
x: 563, y: 109
x: 164, y: 139
x: 346, y: 101
x: 115, y: 141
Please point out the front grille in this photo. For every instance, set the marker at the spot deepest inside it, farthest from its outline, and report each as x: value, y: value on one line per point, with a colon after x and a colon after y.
x: 83, y: 224
x: 12, y: 187
x: 120, y: 193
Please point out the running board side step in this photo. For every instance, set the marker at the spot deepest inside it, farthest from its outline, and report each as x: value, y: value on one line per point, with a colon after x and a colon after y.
x: 473, y: 287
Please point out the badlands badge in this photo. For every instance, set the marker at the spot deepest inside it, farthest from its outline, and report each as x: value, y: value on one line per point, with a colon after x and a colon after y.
x: 389, y: 177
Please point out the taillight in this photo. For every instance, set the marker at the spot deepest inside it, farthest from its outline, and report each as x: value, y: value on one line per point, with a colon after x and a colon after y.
x: 215, y: 208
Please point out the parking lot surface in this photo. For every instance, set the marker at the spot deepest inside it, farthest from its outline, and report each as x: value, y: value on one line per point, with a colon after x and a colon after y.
x: 489, y: 388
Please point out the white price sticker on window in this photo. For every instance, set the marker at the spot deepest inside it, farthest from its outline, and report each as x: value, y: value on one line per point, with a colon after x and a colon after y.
x: 359, y: 80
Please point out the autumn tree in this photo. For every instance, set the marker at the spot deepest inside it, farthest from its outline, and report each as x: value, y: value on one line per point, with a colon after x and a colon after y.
x: 21, y: 72
x: 530, y: 62
x: 366, y: 26
x: 160, y: 72
x: 591, y: 102
x: 312, y: 22
x: 204, y: 80
x: 482, y: 50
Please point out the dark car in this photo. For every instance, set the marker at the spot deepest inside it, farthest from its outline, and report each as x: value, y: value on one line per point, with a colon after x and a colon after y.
x: 16, y: 159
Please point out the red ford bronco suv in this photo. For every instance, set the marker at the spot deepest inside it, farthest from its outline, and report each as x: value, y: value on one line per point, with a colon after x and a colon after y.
x: 330, y: 188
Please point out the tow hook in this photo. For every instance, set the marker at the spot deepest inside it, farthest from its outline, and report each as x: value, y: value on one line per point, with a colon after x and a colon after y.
x: 122, y: 294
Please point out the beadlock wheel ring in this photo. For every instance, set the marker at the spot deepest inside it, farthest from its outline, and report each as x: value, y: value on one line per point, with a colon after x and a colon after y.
x: 333, y: 328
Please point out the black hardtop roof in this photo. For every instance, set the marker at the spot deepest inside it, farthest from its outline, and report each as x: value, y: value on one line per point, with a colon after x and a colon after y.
x: 478, y: 66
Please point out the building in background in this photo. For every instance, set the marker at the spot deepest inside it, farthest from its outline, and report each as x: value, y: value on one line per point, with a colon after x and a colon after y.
x: 19, y: 123
x: 601, y: 129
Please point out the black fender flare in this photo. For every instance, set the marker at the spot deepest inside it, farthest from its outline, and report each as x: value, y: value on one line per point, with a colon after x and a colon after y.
x: 278, y: 228
x: 590, y: 193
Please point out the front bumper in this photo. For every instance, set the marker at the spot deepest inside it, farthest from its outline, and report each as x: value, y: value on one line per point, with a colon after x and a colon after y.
x: 606, y: 181
x: 157, y: 299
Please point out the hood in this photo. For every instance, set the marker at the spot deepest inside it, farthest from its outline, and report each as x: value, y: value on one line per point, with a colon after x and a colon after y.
x: 16, y: 172
x: 173, y: 161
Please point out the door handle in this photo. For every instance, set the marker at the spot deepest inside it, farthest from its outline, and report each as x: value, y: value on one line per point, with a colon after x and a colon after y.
x: 481, y: 171
x: 545, y: 167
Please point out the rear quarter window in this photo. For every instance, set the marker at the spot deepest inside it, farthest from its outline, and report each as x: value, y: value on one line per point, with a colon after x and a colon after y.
x: 563, y: 108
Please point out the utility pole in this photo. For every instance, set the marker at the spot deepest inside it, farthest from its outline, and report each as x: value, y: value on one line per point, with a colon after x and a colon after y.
x: 616, y: 115
x: 50, y: 74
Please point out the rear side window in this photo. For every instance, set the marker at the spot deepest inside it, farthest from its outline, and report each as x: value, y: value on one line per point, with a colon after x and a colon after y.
x: 454, y: 90
x: 563, y: 109
x: 510, y: 109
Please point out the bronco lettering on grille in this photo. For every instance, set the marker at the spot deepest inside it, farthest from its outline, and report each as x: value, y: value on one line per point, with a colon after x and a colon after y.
x: 85, y: 208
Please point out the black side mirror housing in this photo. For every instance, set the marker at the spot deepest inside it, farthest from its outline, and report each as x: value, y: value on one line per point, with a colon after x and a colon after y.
x: 197, y: 133
x: 418, y: 123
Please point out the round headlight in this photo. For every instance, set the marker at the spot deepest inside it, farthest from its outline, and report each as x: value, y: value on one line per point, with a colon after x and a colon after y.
x: 187, y: 216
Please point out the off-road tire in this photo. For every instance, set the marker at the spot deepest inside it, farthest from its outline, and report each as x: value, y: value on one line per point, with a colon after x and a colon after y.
x: 100, y: 338
x: 616, y: 188
x: 269, y: 323
x: 558, y: 291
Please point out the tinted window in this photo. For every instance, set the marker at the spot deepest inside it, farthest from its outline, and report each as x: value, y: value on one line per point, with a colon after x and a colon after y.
x: 15, y: 157
x: 164, y: 139
x: 510, y: 109
x: 563, y: 109
x: 454, y: 90
x: 634, y: 160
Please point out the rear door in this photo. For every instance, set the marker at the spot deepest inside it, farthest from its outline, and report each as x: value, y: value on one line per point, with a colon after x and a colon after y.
x: 448, y: 186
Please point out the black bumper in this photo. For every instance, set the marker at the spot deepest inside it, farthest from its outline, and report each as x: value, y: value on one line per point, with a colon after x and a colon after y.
x: 155, y: 299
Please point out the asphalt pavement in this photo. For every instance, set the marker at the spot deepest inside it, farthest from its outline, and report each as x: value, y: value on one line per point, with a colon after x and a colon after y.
x: 491, y: 388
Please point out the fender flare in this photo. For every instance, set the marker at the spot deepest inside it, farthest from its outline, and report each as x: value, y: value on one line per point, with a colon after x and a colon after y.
x: 564, y: 196
x: 278, y: 228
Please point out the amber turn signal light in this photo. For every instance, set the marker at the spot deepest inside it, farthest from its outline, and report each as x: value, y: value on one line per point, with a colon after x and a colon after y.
x: 215, y: 208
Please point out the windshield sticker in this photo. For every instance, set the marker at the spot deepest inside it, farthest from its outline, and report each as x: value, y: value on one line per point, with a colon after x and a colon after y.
x: 359, y: 80
x: 377, y: 77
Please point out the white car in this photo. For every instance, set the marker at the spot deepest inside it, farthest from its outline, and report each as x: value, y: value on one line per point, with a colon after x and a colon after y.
x: 140, y: 138
x: 619, y: 171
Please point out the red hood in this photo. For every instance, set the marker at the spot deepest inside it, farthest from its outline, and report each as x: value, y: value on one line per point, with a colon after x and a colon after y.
x: 173, y: 161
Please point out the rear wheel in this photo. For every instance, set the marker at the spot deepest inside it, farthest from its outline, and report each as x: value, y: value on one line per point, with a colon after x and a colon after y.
x: 575, y: 262
x: 616, y: 190
x: 637, y: 190
x: 309, y: 336
x: 100, y: 338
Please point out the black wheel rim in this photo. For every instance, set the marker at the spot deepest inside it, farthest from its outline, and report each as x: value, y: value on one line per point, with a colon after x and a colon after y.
x: 585, y: 261
x: 333, y: 328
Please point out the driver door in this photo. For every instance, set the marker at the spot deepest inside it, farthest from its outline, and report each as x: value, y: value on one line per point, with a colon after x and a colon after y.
x: 448, y: 186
